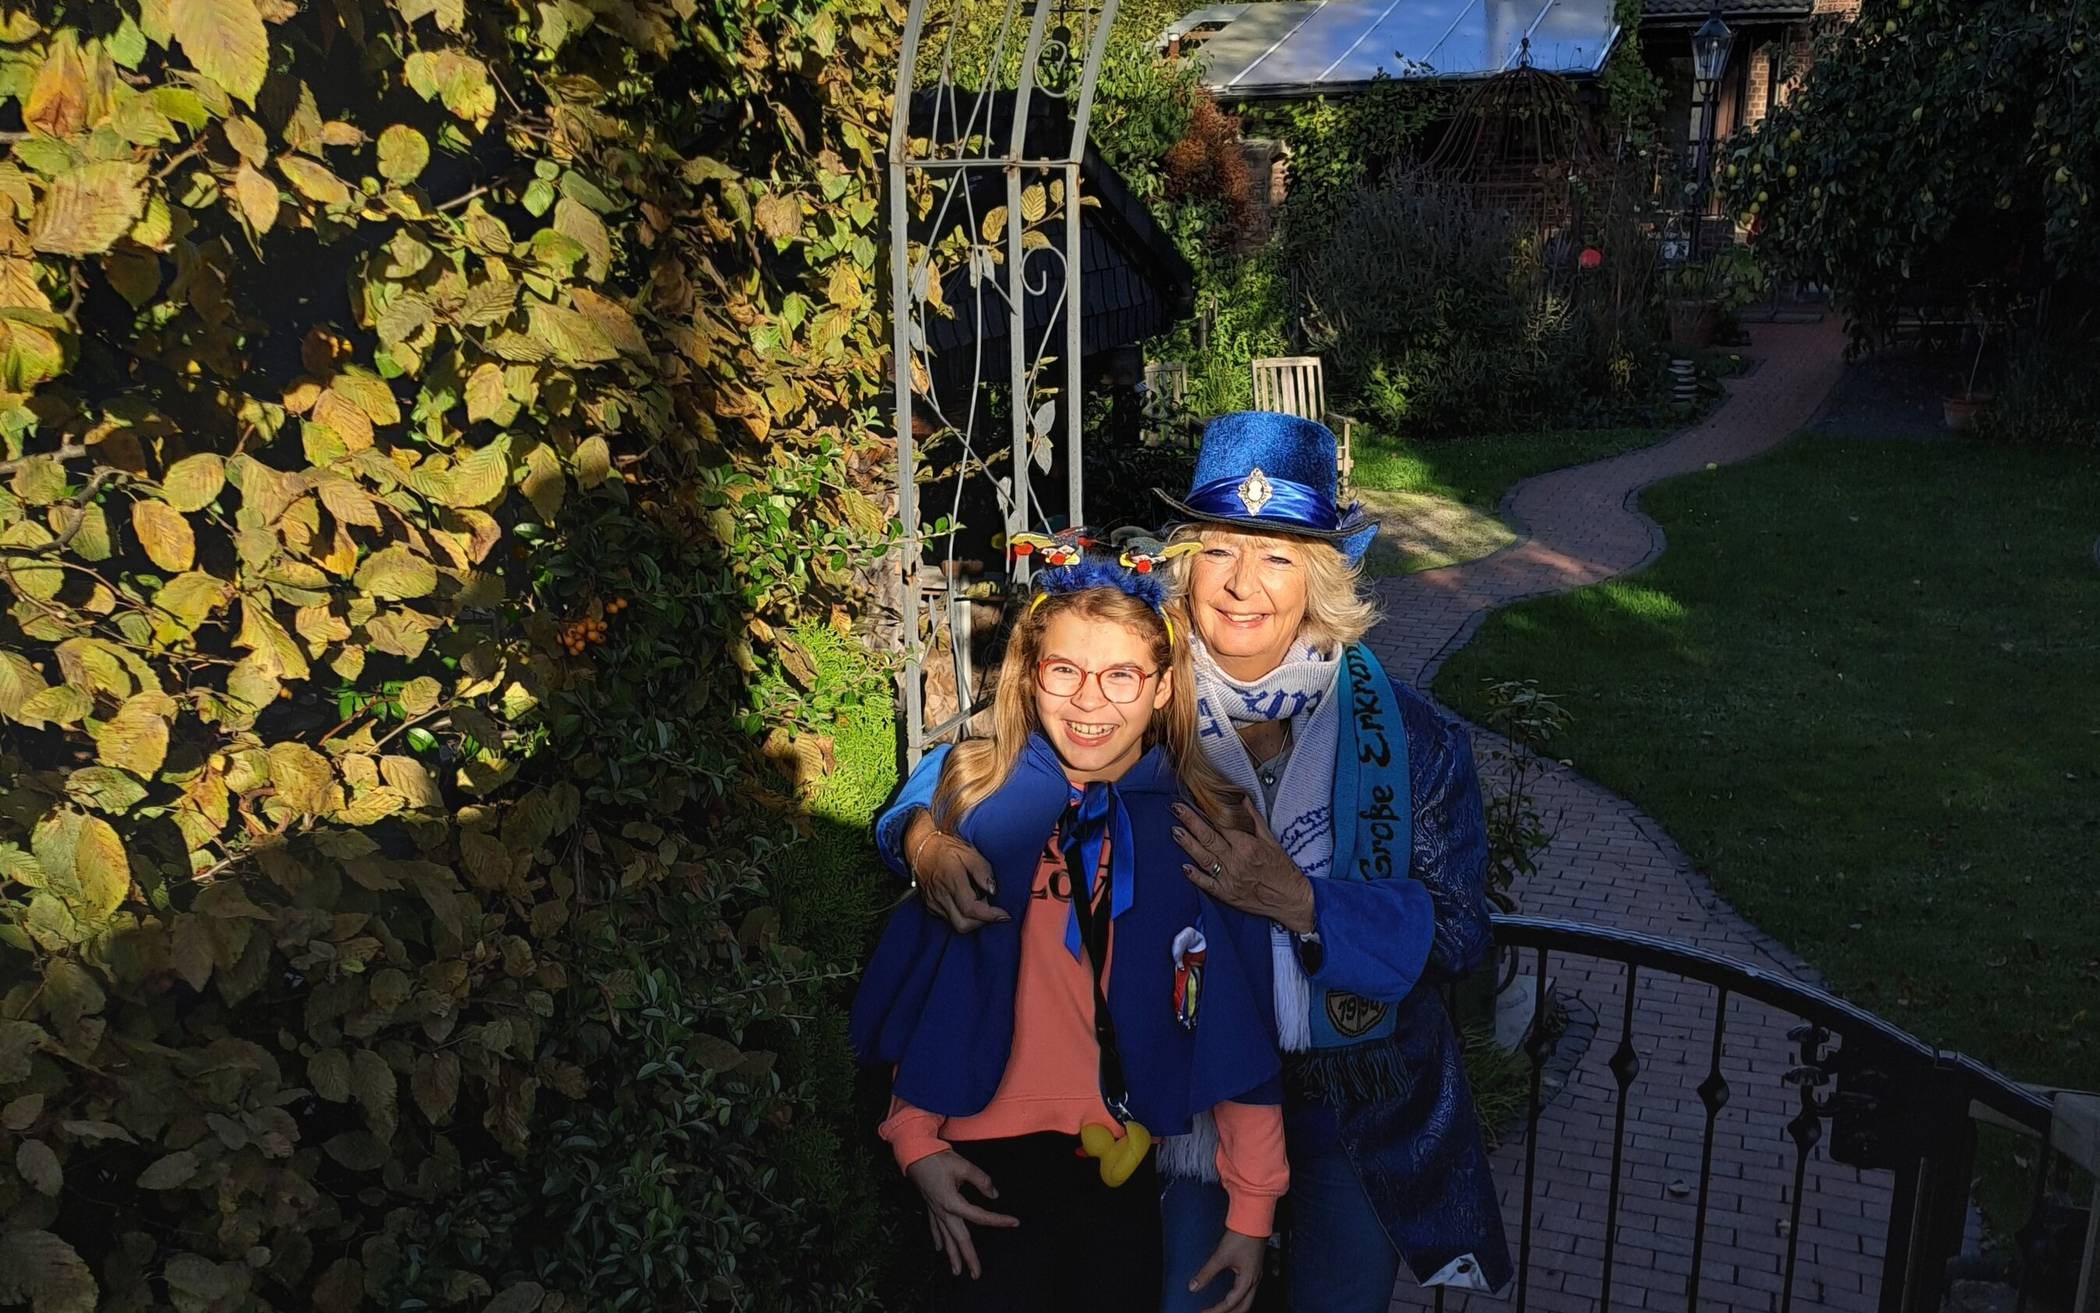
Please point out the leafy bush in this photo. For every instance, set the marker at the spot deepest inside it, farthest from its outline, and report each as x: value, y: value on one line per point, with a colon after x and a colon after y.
x: 1343, y: 144
x: 1936, y: 144
x: 424, y: 425
x: 2050, y: 397
x: 1437, y: 316
x: 1633, y: 96
x: 1243, y: 313
x: 1142, y: 103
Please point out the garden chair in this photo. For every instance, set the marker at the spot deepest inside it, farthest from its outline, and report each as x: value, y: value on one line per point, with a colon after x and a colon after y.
x: 1294, y: 385
x: 1165, y: 404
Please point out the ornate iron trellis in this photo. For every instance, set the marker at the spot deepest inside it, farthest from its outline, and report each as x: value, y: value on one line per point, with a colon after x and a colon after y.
x: 1521, y: 141
x: 986, y: 146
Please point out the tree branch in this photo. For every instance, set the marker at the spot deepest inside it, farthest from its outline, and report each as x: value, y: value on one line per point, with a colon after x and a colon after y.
x: 465, y: 196
x: 80, y: 504
x: 70, y: 451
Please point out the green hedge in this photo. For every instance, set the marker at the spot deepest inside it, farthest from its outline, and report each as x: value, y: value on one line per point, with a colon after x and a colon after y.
x: 426, y: 426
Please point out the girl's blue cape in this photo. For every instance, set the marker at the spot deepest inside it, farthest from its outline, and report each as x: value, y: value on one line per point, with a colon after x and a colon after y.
x: 939, y: 1006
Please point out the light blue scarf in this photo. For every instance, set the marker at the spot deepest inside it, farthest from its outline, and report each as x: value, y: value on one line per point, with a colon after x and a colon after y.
x: 1348, y: 765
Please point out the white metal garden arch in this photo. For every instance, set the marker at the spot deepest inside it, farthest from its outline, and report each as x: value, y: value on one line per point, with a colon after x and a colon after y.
x: 984, y: 206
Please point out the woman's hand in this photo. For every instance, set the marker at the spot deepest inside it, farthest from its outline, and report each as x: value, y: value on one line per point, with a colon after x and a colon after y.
x: 940, y: 1178
x: 1240, y: 1255
x: 1251, y: 872
x: 953, y: 877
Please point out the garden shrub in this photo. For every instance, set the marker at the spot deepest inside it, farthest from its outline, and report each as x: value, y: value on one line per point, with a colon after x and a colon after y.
x: 1243, y: 312
x: 1436, y: 316
x: 1342, y: 144
x: 1206, y: 167
x: 2049, y: 396
x: 1142, y: 103
x: 427, y: 428
x: 1931, y: 146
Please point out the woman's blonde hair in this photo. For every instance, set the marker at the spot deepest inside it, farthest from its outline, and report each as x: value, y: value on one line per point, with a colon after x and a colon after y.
x: 1336, y: 611
x: 977, y: 769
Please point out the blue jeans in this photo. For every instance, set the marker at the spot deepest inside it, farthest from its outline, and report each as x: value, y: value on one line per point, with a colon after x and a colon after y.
x: 1337, y: 1256
x: 1339, y: 1259
x: 1192, y: 1218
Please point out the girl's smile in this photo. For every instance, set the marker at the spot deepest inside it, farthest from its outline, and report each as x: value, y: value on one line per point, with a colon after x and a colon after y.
x: 1096, y: 688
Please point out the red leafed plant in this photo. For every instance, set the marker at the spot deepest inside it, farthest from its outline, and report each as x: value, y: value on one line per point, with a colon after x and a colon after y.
x: 1206, y: 163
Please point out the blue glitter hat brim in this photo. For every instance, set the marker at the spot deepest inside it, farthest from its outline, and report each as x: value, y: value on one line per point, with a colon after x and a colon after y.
x: 1352, y: 536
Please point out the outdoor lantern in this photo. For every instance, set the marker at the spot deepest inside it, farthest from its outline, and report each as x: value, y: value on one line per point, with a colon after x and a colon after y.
x: 1710, y: 49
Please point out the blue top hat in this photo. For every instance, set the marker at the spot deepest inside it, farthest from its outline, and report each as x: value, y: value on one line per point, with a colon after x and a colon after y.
x: 1262, y: 472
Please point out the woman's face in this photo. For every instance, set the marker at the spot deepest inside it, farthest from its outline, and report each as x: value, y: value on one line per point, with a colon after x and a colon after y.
x: 1247, y: 594
x: 1098, y: 661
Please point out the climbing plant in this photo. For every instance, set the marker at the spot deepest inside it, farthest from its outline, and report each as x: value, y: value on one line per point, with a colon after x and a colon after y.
x: 1633, y: 94
x: 427, y: 428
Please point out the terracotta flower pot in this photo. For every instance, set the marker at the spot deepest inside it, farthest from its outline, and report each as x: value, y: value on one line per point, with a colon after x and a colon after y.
x: 1959, y: 409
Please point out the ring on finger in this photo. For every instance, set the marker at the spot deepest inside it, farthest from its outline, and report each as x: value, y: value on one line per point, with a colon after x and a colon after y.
x: 1217, y: 869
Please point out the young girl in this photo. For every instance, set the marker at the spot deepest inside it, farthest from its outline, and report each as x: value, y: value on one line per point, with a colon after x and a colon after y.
x: 1036, y: 1059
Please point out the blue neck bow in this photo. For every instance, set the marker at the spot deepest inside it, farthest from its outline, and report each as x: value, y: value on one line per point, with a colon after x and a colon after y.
x: 1096, y: 814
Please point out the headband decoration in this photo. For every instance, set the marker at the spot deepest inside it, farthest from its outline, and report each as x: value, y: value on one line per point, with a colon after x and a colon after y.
x: 1064, y: 549
x: 1135, y: 570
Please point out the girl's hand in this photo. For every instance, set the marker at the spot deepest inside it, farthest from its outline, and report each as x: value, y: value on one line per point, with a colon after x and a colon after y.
x: 1240, y: 1255
x: 1251, y: 872
x: 953, y: 877
x: 940, y: 1178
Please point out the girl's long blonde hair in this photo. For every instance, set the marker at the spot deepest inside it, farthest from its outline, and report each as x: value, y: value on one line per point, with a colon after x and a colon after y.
x: 977, y: 769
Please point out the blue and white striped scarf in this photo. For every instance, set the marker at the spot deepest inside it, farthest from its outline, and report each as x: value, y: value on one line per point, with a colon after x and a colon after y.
x: 1302, y: 690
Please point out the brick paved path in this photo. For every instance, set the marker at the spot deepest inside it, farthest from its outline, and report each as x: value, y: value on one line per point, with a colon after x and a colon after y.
x: 1612, y: 866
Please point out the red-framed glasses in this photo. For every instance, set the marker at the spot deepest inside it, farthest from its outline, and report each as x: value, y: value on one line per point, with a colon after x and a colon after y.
x: 1121, y: 685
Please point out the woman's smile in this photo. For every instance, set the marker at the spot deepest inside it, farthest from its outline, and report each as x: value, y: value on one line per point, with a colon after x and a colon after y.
x: 1249, y: 595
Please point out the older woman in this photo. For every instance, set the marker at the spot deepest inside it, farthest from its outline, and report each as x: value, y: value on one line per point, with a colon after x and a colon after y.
x: 1367, y: 857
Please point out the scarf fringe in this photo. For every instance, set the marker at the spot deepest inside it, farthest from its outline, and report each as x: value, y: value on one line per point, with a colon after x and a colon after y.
x: 1192, y: 1157
x: 1293, y: 994
x: 1367, y: 1073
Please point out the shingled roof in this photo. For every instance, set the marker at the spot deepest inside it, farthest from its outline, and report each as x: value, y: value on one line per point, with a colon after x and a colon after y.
x: 1671, y: 11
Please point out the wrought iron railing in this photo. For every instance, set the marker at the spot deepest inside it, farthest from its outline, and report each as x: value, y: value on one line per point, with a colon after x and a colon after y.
x: 1879, y: 1126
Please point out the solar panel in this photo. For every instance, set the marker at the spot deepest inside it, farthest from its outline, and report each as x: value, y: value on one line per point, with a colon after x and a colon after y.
x: 1284, y: 47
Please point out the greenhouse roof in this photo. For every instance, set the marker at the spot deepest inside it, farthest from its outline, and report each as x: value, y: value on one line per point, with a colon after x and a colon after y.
x: 1303, y: 47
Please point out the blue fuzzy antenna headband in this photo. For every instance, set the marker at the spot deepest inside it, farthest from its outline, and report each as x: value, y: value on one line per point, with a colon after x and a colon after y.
x: 1136, y: 570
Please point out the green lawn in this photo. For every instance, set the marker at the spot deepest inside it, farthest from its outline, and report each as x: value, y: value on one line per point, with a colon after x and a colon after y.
x: 1862, y: 690
x: 1479, y: 470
